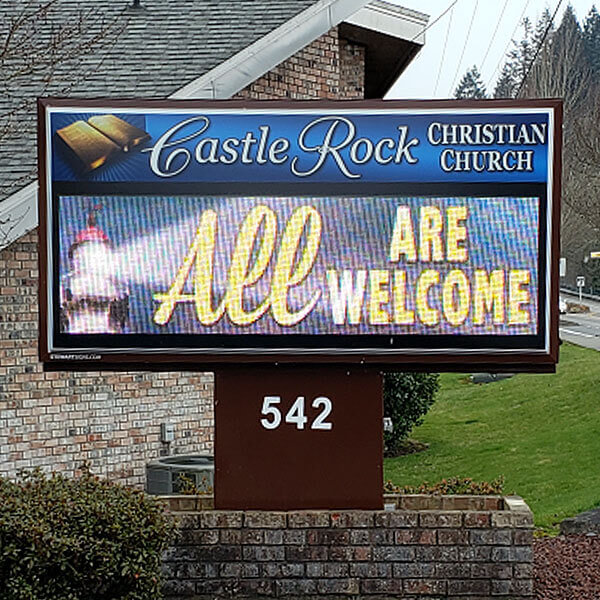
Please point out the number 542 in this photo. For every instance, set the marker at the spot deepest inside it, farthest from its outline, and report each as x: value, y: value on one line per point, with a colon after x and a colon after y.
x: 296, y: 414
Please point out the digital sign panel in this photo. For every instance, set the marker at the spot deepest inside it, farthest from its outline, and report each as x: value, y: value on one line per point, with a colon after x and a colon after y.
x: 382, y: 233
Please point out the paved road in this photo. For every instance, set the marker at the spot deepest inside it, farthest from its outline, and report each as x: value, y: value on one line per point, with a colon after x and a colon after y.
x: 582, y: 329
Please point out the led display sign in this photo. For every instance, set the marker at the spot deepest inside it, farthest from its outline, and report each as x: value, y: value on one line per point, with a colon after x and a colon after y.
x: 374, y: 233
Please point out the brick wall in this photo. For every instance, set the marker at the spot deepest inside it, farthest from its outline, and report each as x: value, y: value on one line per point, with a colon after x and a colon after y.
x: 352, y: 70
x: 457, y: 547
x: 58, y: 420
x: 330, y: 68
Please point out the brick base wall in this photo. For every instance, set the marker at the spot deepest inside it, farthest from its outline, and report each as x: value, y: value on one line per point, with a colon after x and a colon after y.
x: 454, y: 546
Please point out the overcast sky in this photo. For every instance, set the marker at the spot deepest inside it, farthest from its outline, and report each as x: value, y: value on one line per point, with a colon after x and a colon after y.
x: 478, y: 32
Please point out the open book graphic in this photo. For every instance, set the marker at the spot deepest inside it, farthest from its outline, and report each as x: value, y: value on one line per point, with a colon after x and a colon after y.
x: 94, y: 142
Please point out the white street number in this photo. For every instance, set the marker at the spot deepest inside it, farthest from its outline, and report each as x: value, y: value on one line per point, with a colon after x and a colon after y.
x: 296, y: 415
x: 269, y: 409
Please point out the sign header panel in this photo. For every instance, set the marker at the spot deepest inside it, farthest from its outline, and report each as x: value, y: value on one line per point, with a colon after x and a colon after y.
x: 293, y: 146
x: 378, y: 233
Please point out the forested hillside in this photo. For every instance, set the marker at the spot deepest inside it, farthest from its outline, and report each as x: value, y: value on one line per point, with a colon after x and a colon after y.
x: 562, y: 61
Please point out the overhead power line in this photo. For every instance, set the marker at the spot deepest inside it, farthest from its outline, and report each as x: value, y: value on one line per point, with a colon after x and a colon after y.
x: 493, y: 35
x: 430, y: 25
x: 510, y: 39
x: 462, y: 54
x: 437, y: 79
x: 542, y: 41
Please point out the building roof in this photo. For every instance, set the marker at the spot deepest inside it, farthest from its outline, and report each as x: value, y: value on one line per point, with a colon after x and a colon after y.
x: 179, y: 48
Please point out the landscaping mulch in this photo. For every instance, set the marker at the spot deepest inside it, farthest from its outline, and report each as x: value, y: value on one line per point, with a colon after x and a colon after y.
x: 567, y: 567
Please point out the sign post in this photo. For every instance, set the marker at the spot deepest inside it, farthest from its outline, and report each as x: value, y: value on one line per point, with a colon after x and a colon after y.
x: 292, y: 438
x: 580, y: 285
x: 308, y: 246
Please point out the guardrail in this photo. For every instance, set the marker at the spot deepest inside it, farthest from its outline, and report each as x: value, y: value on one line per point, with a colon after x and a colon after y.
x: 575, y: 293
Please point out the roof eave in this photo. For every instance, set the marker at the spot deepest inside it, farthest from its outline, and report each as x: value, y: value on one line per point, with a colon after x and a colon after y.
x: 234, y: 74
x: 392, y: 36
x: 18, y: 214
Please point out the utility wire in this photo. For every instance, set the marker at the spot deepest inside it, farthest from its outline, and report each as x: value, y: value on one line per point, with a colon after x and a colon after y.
x: 542, y: 41
x: 462, y: 54
x: 437, y: 79
x: 493, y: 35
x: 510, y: 39
x: 430, y: 25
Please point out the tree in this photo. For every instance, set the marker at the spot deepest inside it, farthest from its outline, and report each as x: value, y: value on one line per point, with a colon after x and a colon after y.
x: 406, y: 399
x: 591, y: 40
x: 471, y: 85
x: 557, y: 62
x: 521, y: 57
x: 507, y: 83
x: 560, y: 69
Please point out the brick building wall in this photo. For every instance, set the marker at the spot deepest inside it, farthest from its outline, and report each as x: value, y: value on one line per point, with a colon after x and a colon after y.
x: 112, y: 420
x: 60, y: 419
x: 329, y: 68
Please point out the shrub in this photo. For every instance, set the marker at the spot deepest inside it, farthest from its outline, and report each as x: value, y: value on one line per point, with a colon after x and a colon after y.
x: 406, y: 399
x: 79, y: 539
x: 453, y: 485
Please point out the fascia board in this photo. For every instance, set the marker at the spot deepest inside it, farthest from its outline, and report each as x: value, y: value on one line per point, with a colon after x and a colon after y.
x: 391, y: 20
x: 18, y: 214
x: 247, y: 66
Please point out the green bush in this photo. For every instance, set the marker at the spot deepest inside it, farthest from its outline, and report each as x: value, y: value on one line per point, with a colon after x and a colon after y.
x: 79, y: 539
x: 452, y: 485
x: 406, y: 399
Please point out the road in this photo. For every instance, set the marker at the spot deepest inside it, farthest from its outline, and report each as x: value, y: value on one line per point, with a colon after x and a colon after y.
x: 582, y: 329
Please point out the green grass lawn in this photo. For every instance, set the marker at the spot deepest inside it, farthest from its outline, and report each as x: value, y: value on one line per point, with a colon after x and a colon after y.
x: 541, y: 432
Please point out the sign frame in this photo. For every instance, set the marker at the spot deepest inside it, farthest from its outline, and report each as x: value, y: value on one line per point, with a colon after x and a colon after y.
x: 430, y: 359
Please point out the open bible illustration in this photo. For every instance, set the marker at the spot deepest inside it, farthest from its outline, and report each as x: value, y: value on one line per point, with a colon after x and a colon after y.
x: 92, y: 143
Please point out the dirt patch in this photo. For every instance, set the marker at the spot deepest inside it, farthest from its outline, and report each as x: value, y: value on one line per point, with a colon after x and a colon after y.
x: 409, y: 447
x: 576, y: 308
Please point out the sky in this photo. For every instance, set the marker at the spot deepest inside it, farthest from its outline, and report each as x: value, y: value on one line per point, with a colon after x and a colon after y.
x: 478, y: 32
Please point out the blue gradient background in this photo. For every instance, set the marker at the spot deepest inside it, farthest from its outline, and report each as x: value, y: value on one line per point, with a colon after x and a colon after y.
x: 134, y: 166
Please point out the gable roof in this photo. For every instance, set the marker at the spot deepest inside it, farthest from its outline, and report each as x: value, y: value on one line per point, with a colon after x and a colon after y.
x: 179, y: 48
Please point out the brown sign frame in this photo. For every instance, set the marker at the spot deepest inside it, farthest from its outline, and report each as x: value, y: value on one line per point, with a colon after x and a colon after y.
x: 435, y: 360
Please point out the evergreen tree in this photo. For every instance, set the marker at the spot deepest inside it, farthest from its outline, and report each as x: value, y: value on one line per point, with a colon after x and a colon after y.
x: 507, y: 84
x: 515, y: 65
x: 566, y: 44
x: 591, y: 40
x: 519, y: 60
x: 471, y: 85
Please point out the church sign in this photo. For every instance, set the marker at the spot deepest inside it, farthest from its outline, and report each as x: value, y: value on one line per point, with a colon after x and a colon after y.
x: 367, y: 233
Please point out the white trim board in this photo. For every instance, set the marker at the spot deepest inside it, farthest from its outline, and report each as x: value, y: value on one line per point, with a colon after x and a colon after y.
x: 18, y: 214
x: 391, y: 19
